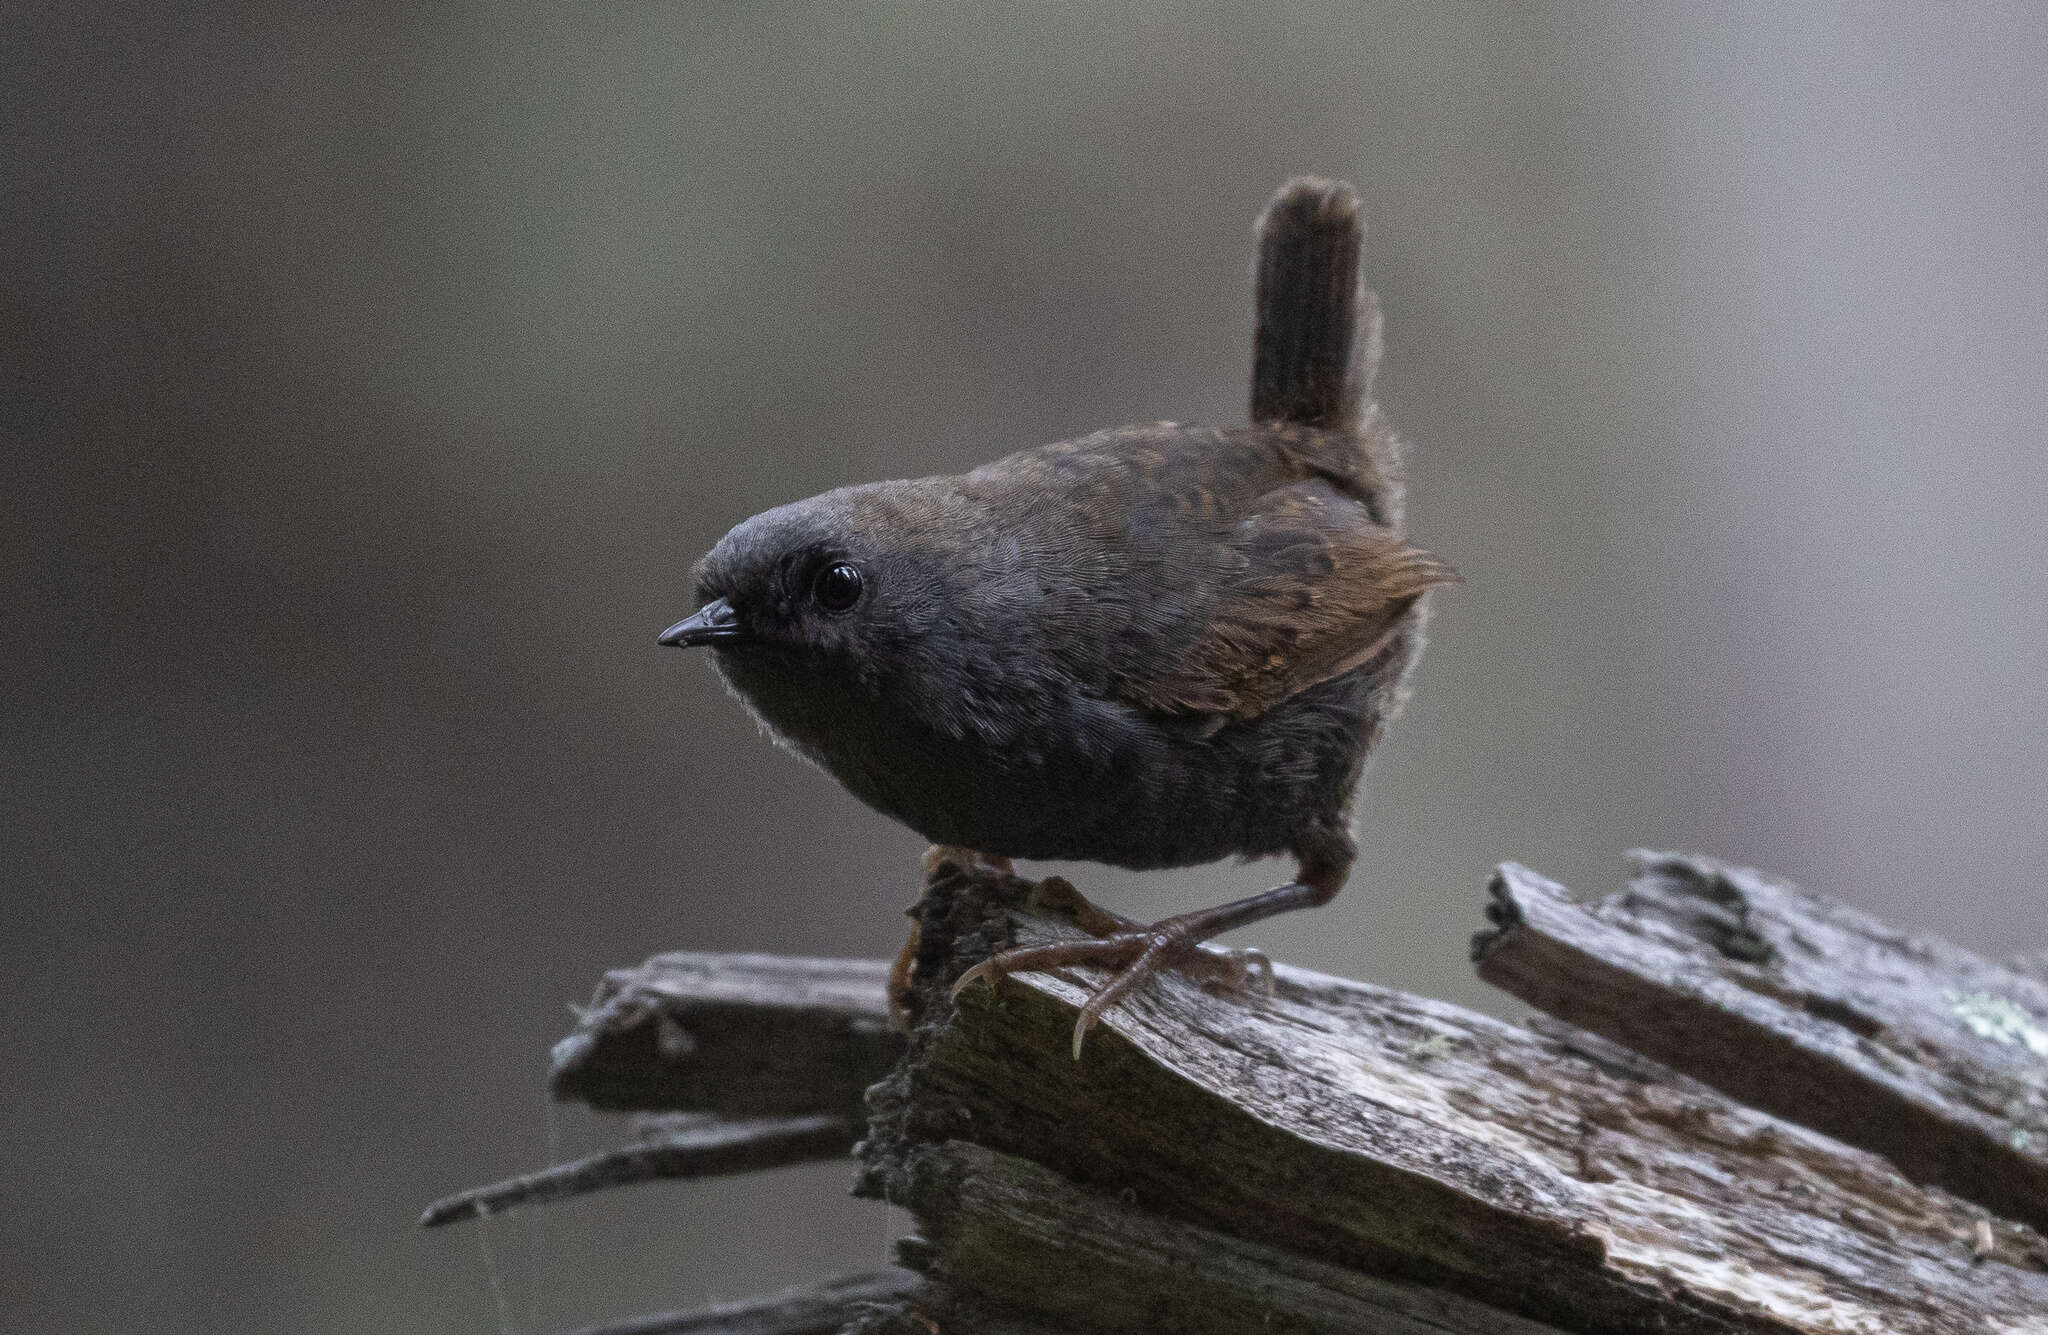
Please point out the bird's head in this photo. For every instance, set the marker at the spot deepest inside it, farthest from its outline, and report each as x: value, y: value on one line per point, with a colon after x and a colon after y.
x: 797, y: 581
x: 825, y: 605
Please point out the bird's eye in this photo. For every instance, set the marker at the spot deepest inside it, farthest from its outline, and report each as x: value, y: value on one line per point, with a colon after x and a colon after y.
x: 837, y: 587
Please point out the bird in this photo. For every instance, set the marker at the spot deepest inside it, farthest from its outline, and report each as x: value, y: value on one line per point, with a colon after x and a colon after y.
x: 1152, y: 646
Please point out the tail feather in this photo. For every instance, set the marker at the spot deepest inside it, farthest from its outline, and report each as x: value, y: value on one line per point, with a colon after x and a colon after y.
x: 1317, y: 338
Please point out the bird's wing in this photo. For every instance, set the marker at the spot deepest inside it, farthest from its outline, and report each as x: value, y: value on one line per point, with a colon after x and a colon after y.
x: 1302, y: 588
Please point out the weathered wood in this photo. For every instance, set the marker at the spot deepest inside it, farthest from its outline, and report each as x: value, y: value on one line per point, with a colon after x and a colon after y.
x: 703, y: 1145
x: 738, y: 1035
x: 1389, y: 1137
x: 1336, y: 1158
x: 811, y: 1309
x: 1011, y: 1237
x: 1905, y: 1045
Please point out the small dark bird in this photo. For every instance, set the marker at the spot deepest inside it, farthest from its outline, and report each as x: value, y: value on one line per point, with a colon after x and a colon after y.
x: 1153, y: 646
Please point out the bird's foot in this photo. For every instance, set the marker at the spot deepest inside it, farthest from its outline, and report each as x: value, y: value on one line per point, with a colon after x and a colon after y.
x: 1134, y: 950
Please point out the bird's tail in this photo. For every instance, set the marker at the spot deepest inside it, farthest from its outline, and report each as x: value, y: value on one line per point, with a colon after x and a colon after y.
x: 1317, y: 339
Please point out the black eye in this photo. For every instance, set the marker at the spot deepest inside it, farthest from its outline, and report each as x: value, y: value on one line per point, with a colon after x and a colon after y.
x: 837, y: 587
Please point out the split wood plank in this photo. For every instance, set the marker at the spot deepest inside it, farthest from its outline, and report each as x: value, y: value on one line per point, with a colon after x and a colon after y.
x: 1398, y: 1138
x: 1791, y: 1002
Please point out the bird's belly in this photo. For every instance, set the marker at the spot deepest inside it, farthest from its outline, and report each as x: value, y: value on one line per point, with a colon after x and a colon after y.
x: 1049, y: 811
x: 1155, y: 795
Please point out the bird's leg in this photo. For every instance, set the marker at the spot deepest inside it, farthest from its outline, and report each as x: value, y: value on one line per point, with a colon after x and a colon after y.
x: 1057, y: 894
x: 1137, y: 951
x: 900, y: 974
x: 1209, y: 964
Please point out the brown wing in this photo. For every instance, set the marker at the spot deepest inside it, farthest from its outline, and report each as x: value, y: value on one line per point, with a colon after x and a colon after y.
x: 1308, y: 588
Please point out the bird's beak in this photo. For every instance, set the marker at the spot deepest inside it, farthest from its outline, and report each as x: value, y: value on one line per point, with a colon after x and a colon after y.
x: 713, y: 623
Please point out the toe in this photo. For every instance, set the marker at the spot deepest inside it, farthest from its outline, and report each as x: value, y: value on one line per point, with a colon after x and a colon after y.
x: 1031, y: 959
x: 1137, y: 971
x: 1136, y: 956
x: 986, y: 969
x: 1260, y: 965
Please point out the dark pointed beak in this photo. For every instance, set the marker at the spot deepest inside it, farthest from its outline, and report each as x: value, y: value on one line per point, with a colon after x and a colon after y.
x: 713, y: 623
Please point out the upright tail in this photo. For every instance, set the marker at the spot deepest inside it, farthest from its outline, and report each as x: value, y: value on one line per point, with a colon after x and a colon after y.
x: 1317, y: 338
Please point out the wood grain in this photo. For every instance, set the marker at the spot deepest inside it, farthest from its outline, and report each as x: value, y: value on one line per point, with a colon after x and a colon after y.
x: 738, y: 1035
x: 1905, y: 1045
x: 1400, y: 1139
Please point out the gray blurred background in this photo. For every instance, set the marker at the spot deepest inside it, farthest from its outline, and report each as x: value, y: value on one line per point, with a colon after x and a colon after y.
x: 372, y: 377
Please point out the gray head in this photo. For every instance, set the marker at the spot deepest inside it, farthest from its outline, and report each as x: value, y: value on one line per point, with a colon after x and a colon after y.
x: 789, y: 580
x: 855, y: 569
x: 826, y: 609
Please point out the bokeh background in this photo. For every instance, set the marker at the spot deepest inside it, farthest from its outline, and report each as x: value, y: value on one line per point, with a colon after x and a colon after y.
x: 373, y: 374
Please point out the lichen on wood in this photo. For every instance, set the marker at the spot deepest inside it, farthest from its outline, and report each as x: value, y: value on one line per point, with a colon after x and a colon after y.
x: 1905, y: 1045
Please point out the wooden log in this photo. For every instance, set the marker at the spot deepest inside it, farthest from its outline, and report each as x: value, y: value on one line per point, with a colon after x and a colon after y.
x: 1504, y: 1173
x: 756, y: 1061
x: 1905, y: 1045
x: 739, y: 1035
x: 700, y: 1146
x: 809, y: 1309
x: 1022, y: 1249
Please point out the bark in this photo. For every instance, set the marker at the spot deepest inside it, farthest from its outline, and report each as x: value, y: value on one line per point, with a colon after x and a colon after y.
x: 691, y: 1145
x: 1339, y: 1157
x: 1908, y: 1046
x: 737, y: 1035
x: 1394, y: 1138
x: 809, y: 1309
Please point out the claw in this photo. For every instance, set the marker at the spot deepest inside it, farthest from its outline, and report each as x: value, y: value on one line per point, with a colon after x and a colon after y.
x: 985, y: 969
x: 998, y: 966
x: 1256, y: 961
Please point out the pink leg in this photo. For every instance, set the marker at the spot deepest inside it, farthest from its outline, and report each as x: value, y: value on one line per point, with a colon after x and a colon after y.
x: 1137, y: 951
